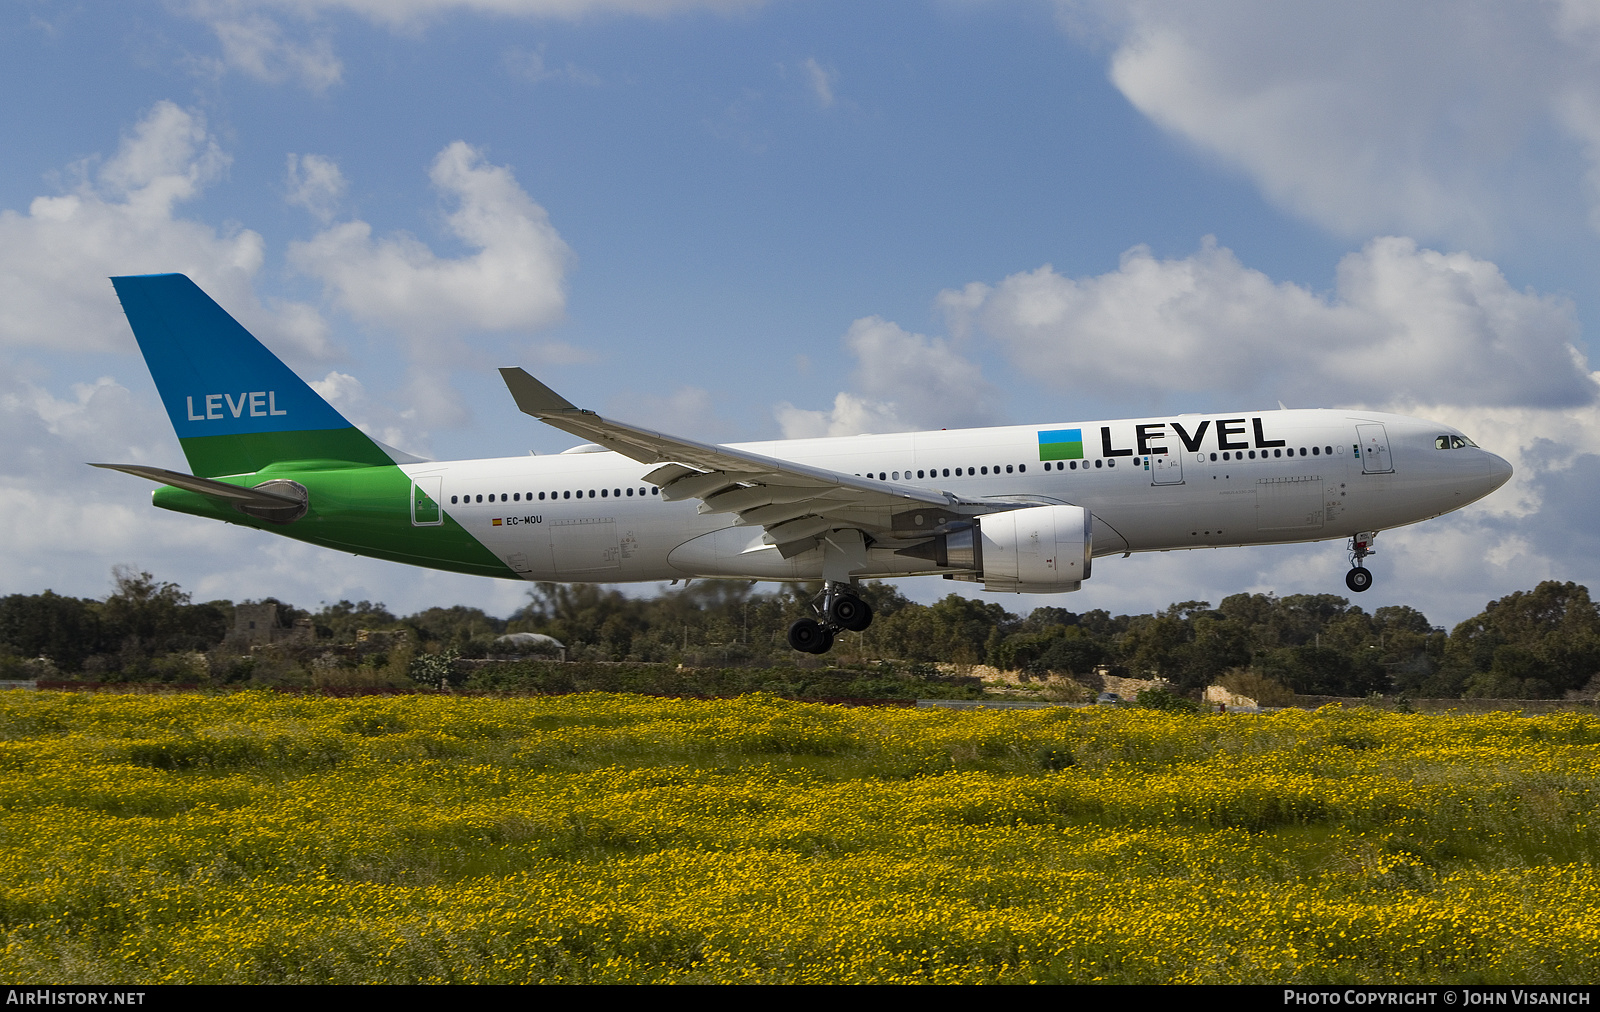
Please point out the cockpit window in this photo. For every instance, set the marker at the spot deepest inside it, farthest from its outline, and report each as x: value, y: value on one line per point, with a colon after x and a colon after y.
x: 1461, y: 441
x: 1452, y: 442
x: 1442, y: 443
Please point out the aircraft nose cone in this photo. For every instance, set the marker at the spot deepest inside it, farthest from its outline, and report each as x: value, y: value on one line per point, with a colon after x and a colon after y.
x: 1499, y: 471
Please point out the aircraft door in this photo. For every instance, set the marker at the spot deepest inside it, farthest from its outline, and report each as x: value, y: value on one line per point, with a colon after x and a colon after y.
x: 1165, y: 468
x: 1374, y: 441
x: 425, y: 497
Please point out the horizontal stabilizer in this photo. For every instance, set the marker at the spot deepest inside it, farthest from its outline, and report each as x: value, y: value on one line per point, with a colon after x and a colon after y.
x: 235, y: 494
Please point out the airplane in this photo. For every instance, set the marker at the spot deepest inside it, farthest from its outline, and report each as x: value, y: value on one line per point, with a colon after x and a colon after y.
x: 1017, y: 508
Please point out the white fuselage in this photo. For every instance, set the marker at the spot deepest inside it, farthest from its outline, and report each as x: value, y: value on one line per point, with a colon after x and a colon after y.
x: 1152, y: 484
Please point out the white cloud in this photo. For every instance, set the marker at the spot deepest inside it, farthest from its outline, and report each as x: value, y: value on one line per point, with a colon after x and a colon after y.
x: 55, y: 511
x: 515, y: 280
x: 904, y: 381
x: 123, y: 219
x: 316, y: 184
x: 1430, y: 119
x: 688, y: 411
x: 100, y: 421
x: 850, y: 416
x: 407, y: 14
x: 254, y: 42
x: 821, y: 80
x: 530, y: 65
x: 258, y: 47
x: 1403, y: 324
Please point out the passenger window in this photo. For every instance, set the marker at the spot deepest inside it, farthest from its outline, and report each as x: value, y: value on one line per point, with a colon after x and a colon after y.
x: 1214, y: 456
x: 1099, y: 462
x: 1073, y: 465
x: 1252, y: 455
x: 1112, y: 462
x: 1008, y: 469
x: 452, y: 500
x: 566, y: 495
x: 655, y: 491
x: 1022, y: 467
x: 1277, y: 453
x: 480, y: 498
x: 947, y: 472
x: 1316, y: 451
x: 985, y: 470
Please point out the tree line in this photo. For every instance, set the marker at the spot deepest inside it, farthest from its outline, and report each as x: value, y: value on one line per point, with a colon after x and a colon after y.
x: 1543, y: 643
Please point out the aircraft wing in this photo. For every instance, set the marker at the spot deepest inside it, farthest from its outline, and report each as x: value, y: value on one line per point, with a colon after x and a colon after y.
x: 794, y: 502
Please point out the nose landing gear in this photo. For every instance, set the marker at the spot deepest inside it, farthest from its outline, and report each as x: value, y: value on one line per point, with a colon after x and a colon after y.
x: 1360, y: 577
x: 840, y: 609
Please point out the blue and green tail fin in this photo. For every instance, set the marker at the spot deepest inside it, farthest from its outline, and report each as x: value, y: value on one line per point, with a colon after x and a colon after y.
x: 236, y: 407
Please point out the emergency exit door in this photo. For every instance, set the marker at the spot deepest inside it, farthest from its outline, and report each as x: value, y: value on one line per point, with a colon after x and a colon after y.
x: 1374, y: 442
x: 425, y: 496
x: 1165, y: 468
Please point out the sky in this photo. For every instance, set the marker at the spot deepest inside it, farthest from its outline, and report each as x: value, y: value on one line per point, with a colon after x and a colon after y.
x: 738, y: 220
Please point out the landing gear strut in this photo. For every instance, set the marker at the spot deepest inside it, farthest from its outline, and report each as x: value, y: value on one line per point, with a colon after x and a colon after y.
x: 1360, y: 577
x: 840, y: 610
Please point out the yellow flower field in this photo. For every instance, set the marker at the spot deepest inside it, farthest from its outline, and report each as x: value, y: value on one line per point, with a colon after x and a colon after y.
x: 258, y: 837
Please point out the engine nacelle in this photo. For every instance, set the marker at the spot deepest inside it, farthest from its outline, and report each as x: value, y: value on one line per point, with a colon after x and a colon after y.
x: 1037, y: 550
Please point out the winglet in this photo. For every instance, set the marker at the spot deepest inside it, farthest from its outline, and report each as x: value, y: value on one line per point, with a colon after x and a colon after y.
x: 532, y: 397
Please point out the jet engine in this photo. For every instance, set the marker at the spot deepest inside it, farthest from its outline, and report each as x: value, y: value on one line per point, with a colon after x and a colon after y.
x: 1036, y: 550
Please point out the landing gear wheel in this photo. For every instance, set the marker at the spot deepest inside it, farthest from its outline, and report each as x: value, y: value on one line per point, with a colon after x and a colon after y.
x: 850, y: 612
x: 1358, y: 579
x: 810, y: 636
x: 826, y: 643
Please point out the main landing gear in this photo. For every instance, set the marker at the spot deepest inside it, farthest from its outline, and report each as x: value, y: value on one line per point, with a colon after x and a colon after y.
x: 1360, y: 577
x: 840, y: 610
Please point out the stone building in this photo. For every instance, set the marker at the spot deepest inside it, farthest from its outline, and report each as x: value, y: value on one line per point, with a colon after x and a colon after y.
x: 257, y: 625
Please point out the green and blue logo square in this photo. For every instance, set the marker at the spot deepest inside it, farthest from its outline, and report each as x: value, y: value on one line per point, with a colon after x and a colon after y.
x: 1061, y: 444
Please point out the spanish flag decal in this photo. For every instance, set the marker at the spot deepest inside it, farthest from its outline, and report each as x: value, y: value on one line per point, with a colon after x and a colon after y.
x: 496, y: 521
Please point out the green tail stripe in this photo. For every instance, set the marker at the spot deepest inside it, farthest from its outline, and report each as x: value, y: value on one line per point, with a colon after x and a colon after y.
x: 249, y: 452
x: 362, y: 510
